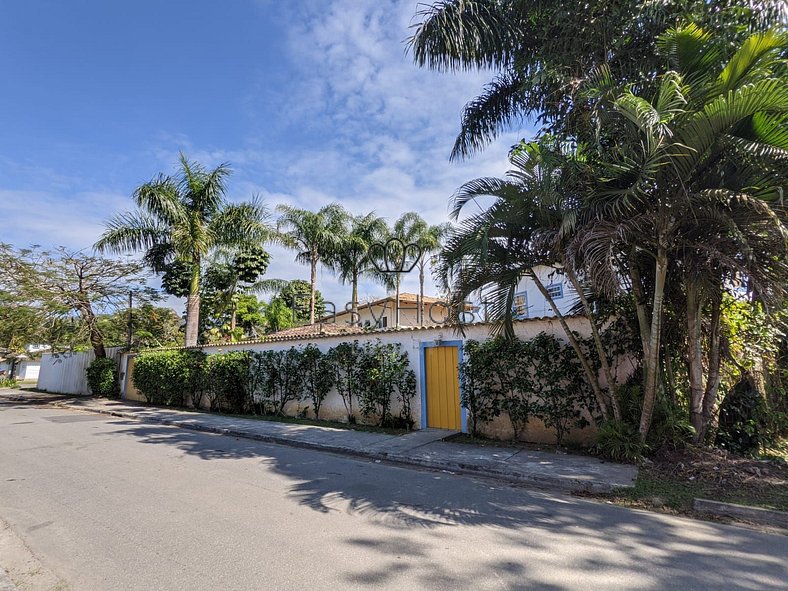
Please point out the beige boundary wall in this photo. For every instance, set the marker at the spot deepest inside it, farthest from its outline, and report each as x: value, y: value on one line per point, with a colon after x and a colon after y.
x: 411, y: 340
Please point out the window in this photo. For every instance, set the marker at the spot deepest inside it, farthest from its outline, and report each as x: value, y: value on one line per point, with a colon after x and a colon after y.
x: 556, y: 290
x: 520, y: 305
x: 384, y: 322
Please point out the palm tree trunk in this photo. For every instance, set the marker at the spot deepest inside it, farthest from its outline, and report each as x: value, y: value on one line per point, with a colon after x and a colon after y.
x: 612, y: 384
x: 420, y: 308
x: 713, y: 379
x: 313, y: 280
x: 193, y: 305
x: 652, y: 359
x: 354, y: 318
x: 695, y: 357
x: 591, y: 375
x: 640, y: 303
x: 396, y: 303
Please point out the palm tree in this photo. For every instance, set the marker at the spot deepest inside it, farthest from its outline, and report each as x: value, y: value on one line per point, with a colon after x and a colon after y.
x: 542, y: 52
x: 527, y: 226
x: 316, y: 235
x: 184, y: 218
x: 352, y: 261
x: 692, y: 175
x: 411, y: 228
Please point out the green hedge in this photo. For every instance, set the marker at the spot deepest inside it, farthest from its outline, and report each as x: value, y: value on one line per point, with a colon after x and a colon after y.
x: 170, y: 378
x: 370, y: 377
x: 102, y: 376
x: 540, y: 378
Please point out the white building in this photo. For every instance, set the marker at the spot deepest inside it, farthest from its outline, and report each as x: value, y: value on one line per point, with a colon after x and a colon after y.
x: 529, y: 301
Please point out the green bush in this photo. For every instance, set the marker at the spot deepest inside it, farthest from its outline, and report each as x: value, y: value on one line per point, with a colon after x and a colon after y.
x: 538, y: 378
x: 619, y: 441
x: 478, y: 396
x: 384, y: 373
x: 9, y: 382
x: 318, y: 375
x: 345, y: 362
x: 227, y: 381
x: 170, y: 378
x: 276, y: 379
x: 102, y: 376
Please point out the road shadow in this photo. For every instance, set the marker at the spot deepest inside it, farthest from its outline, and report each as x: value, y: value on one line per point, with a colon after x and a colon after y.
x: 672, y: 552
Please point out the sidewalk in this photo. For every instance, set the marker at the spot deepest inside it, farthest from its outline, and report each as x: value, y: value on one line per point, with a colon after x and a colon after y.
x: 423, y: 448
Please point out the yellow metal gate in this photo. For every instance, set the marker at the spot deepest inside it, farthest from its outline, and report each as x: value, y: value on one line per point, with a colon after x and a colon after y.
x: 443, y: 387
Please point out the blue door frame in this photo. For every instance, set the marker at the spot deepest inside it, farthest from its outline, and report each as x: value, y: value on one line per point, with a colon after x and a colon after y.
x: 423, y: 368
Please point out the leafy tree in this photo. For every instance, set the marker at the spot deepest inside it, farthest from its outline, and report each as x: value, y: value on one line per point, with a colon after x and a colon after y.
x: 65, y: 287
x: 291, y: 306
x: 315, y: 235
x: 685, y: 178
x: 184, y: 218
x: 152, y: 326
x: 691, y: 176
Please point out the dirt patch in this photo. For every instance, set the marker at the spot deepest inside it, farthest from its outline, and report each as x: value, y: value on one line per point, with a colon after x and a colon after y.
x: 723, y: 476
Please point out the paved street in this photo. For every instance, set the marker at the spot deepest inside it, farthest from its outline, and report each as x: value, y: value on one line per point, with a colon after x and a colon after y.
x: 111, y: 503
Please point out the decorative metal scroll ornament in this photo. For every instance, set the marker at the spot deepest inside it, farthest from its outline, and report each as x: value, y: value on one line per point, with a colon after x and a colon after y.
x: 392, y: 256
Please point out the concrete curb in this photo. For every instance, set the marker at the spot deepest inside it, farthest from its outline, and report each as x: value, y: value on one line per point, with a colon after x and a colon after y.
x: 537, y: 481
x: 754, y: 514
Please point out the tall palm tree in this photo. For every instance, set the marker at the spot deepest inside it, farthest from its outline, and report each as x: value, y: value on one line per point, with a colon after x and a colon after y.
x: 411, y: 228
x: 352, y: 260
x: 185, y: 217
x: 692, y: 174
x: 528, y: 225
x: 316, y: 235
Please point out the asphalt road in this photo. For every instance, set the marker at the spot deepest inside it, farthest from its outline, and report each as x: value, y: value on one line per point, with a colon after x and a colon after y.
x: 115, y: 504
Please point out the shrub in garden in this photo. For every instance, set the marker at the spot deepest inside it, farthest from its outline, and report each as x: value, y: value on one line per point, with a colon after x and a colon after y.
x: 227, y: 380
x: 538, y: 378
x: 619, y: 441
x: 345, y: 361
x: 478, y: 395
x: 385, y: 371
x: 318, y: 376
x: 277, y: 379
x: 170, y: 377
x: 558, y: 383
x: 102, y: 374
x: 512, y: 380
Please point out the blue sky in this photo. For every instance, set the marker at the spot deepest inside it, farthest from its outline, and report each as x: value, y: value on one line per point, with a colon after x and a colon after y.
x: 310, y: 101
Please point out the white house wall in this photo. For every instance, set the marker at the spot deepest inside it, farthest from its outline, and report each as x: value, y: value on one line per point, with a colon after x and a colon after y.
x: 410, y: 341
x: 537, y: 304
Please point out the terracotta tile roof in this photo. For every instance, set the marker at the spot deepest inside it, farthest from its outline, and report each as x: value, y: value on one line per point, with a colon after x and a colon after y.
x: 322, y: 331
x: 307, y: 330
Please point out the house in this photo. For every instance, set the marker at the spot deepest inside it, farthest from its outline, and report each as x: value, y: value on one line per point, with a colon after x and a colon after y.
x: 382, y: 313
x: 529, y: 301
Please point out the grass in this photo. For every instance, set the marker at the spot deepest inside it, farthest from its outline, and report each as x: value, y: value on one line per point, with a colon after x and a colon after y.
x: 674, y: 479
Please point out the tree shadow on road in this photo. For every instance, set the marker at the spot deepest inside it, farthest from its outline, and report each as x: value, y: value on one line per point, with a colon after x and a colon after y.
x: 542, y: 533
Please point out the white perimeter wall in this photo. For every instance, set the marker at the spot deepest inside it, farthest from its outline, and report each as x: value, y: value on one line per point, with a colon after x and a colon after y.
x: 410, y: 341
x: 65, y: 372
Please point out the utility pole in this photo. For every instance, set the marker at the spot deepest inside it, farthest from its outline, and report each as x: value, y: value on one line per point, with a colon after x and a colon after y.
x: 131, y: 320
